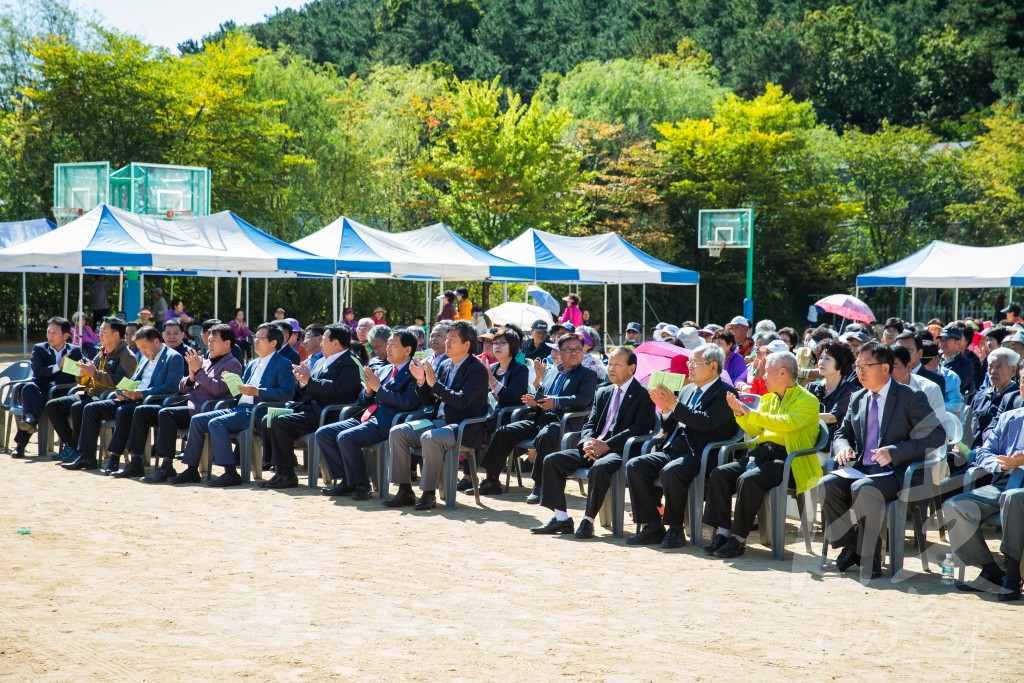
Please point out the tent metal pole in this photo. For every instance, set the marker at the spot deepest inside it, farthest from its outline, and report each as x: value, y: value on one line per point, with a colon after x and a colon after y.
x: 216, y: 296
x: 67, y: 279
x: 120, y: 289
x: 238, y: 292
x: 504, y: 291
x: 24, y: 315
x: 913, y: 303
x: 643, y: 316
x: 81, y: 283
x: 426, y: 302
x: 247, y: 321
x: 956, y: 303
x: 266, y: 285
x: 696, y: 317
x: 334, y: 294
x: 607, y: 323
x: 620, y: 314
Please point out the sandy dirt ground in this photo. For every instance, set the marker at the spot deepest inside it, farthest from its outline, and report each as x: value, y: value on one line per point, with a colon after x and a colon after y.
x: 121, y: 580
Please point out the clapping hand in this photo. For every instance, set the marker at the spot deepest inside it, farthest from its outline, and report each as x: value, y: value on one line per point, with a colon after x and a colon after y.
x: 88, y: 369
x: 540, y: 369
x: 417, y: 371
x: 301, y: 373
x: 193, y: 360
x: 739, y: 408
x: 431, y: 376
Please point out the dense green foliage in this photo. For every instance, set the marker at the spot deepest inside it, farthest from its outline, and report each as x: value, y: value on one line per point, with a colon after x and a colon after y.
x: 574, y: 116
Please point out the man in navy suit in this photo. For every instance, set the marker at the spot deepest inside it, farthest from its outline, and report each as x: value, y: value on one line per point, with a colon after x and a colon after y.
x: 268, y: 377
x: 334, y: 378
x: 46, y: 360
x: 569, y: 389
x: 621, y: 411
x: 389, y: 390
x: 158, y: 373
x: 458, y: 391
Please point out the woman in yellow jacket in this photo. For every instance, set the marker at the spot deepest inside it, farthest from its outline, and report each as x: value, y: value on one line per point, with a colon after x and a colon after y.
x: 465, y: 311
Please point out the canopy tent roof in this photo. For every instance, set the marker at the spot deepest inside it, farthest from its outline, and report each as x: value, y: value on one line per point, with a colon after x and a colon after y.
x: 597, y: 258
x: 17, y: 232
x: 107, y: 237
x: 942, y: 265
x: 434, y: 252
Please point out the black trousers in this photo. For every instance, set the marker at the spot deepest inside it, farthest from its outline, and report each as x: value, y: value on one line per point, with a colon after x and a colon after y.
x: 559, y: 465
x: 677, y: 472
x: 167, y: 422
x: 34, y: 403
x: 93, y: 416
x: 867, y: 498
x: 65, y: 414
x: 279, y: 440
x: 544, y: 432
x: 750, y: 487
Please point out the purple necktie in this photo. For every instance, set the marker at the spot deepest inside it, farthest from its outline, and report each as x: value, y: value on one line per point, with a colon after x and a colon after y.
x: 609, y: 419
x: 871, y: 436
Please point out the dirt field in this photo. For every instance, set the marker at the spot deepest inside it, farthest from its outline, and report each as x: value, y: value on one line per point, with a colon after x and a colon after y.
x: 120, y: 580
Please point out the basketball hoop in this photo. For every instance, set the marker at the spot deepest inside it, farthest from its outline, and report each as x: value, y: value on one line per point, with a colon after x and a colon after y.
x: 715, y: 249
x: 63, y: 215
x: 172, y: 214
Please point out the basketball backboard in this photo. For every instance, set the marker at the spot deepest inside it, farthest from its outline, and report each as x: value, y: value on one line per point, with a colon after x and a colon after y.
x: 725, y: 228
x: 82, y: 185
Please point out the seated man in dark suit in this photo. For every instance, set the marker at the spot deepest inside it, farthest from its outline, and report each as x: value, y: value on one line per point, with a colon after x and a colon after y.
x: 888, y: 427
x: 111, y: 364
x: 174, y: 336
x: 915, y: 344
x: 202, y: 382
x: 158, y: 373
x: 208, y: 325
x: 621, y: 410
x: 335, y: 378
x: 700, y: 415
x: 786, y: 420
x: 290, y: 333
x: 569, y: 389
x: 1002, y: 456
x: 46, y: 361
x: 457, y: 391
x: 389, y: 390
x: 268, y: 377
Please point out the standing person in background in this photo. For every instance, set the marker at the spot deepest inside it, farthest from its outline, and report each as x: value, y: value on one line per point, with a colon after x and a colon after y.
x: 447, y: 306
x: 348, y: 318
x: 159, y: 307
x: 98, y: 297
x: 177, y: 310
x: 572, y: 313
x: 279, y: 314
x: 480, y: 321
x: 87, y: 340
x: 241, y: 330
x: 465, y: 311
x: 378, y: 316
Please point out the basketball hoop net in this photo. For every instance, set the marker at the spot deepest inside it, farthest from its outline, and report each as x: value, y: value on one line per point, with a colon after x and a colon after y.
x: 715, y: 249
x: 62, y: 215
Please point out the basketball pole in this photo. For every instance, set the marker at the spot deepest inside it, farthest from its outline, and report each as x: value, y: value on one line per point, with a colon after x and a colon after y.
x: 748, y: 303
x: 266, y: 285
x: 216, y: 295
x: 67, y: 278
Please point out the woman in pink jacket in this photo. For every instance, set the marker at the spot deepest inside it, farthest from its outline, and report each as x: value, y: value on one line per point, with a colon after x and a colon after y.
x: 572, y: 313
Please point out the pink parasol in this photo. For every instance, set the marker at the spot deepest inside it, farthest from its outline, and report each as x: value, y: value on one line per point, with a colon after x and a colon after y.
x: 654, y: 356
x: 847, y: 306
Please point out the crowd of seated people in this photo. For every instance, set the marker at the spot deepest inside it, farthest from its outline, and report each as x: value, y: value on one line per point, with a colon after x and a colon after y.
x: 859, y: 409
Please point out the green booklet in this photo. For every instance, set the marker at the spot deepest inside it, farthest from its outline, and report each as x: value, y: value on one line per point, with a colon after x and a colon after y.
x: 362, y: 378
x: 233, y: 381
x: 71, y: 367
x: 670, y: 380
x: 127, y: 384
x: 274, y: 412
x: 419, y: 355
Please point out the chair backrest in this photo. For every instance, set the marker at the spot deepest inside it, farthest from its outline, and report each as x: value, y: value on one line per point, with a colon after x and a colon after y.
x: 954, y: 429
x: 752, y: 400
x: 17, y: 371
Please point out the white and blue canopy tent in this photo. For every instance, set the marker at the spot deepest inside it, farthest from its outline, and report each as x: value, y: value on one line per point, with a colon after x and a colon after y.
x: 943, y: 265
x: 431, y: 253
x: 16, y: 232
x: 599, y: 259
x: 108, y: 238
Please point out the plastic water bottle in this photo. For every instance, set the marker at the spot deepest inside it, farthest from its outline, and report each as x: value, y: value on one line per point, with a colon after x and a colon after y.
x: 750, y: 463
x: 947, y: 570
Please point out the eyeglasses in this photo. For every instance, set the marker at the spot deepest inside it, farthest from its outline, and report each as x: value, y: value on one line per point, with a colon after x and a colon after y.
x: 259, y: 338
x: 574, y: 349
x: 499, y: 342
x: 861, y: 368
x: 695, y: 363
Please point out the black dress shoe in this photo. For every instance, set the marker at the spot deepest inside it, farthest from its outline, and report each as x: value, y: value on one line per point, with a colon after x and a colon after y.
x: 361, y: 493
x: 717, y: 542
x: 189, y: 476
x: 847, y: 558
x: 585, y: 529
x: 18, y: 452
x: 491, y: 488
x: 984, y: 583
x: 225, y: 480
x: 732, y: 548
x: 81, y: 463
x: 278, y: 482
x: 1011, y: 590
x: 339, y: 489
x: 651, y: 534
x: 265, y: 484
x: 402, y: 499
x: 159, y: 475
x: 464, y: 485
x: 674, y: 538
x: 112, y: 465
x: 135, y: 468
x: 426, y: 502
x: 554, y: 526
x: 534, y: 497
